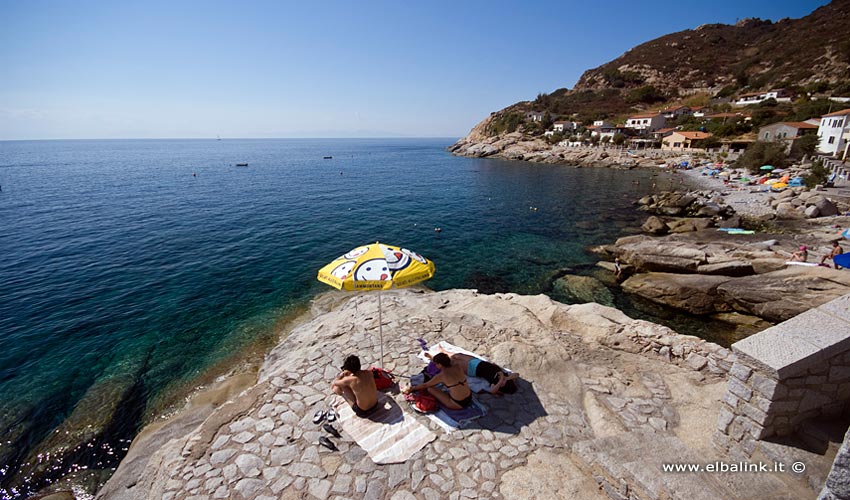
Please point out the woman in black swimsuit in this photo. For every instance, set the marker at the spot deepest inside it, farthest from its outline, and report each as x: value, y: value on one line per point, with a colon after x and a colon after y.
x: 454, y: 378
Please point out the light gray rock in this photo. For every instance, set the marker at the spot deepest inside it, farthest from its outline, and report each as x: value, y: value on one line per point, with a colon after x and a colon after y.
x: 696, y: 294
x: 221, y: 456
x: 249, y: 465
x: 248, y: 488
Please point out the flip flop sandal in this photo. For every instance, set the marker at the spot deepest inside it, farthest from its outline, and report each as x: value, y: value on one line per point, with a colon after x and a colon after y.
x: 332, y: 430
x: 327, y: 443
x: 331, y: 415
x: 319, y: 416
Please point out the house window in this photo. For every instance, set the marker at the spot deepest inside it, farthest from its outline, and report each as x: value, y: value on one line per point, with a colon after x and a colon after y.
x: 766, y: 135
x: 831, y: 140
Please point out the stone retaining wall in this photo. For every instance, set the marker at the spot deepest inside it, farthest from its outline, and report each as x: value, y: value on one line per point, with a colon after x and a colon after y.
x: 786, y: 375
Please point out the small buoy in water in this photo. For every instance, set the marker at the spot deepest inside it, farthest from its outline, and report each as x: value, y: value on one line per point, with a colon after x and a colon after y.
x: 349, y: 209
x: 194, y: 174
x: 340, y: 172
x: 437, y: 229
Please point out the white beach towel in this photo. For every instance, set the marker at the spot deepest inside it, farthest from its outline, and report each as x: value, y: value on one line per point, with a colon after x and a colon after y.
x: 389, y: 435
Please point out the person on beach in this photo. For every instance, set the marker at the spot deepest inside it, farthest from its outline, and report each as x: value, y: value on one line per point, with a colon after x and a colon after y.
x: 501, y: 381
x: 836, y: 250
x: 617, y: 269
x: 453, y: 377
x: 800, y: 256
x: 357, y: 387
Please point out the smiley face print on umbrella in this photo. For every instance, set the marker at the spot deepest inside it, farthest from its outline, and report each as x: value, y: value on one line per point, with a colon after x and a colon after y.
x: 376, y: 267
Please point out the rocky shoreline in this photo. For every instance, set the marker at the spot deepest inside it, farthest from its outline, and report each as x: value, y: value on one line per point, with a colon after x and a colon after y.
x: 516, y: 146
x: 681, y: 261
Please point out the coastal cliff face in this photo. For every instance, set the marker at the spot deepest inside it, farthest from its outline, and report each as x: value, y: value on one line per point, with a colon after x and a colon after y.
x: 711, y: 63
x: 751, y: 53
x: 517, y: 146
x: 590, y: 377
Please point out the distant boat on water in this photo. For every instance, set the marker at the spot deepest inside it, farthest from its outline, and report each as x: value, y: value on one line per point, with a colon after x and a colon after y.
x: 241, y: 164
x: 328, y: 158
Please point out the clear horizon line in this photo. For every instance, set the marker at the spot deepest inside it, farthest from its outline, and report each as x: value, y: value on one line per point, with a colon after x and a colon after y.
x: 226, y: 138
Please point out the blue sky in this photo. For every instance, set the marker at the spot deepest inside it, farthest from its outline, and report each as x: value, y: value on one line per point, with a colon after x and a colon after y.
x: 89, y: 69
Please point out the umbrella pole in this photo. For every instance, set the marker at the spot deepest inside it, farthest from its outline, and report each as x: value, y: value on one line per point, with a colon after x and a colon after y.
x: 381, y: 329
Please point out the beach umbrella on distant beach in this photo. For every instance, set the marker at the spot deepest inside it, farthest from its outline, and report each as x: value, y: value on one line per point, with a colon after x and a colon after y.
x: 376, y: 267
x: 766, y: 167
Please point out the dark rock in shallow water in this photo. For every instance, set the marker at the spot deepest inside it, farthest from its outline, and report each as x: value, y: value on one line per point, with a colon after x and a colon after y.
x: 109, y: 412
x: 583, y: 289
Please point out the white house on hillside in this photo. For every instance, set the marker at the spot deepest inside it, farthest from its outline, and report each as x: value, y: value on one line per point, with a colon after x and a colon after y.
x: 684, y: 141
x: 780, y: 95
x: 676, y: 112
x: 564, y: 126
x: 647, y: 122
x: 831, y: 132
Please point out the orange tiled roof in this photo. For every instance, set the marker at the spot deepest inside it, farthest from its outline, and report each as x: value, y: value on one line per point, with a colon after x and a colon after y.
x: 839, y: 113
x: 694, y: 135
x: 800, y: 125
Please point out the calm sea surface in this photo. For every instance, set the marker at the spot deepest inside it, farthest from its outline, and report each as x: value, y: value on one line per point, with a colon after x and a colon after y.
x: 130, y: 267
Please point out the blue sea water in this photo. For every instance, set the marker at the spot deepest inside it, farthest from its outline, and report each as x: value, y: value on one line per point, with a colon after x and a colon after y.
x: 131, y: 266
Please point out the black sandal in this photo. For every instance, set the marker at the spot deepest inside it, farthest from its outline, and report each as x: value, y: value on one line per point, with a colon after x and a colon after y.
x: 332, y: 430
x: 327, y: 443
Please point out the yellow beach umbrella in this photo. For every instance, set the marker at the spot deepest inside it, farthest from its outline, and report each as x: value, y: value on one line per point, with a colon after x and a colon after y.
x: 376, y: 267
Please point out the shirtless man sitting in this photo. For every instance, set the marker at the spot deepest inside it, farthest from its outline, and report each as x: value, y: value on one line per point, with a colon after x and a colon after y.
x: 357, y: 387
x: 836, y: 250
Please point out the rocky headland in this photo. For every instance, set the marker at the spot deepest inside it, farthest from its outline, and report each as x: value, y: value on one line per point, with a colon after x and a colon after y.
x: 598, y: 391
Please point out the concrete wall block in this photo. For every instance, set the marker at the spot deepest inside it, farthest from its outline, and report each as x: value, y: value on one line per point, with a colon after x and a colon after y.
x: 794, y: 382
x: 843, y: 391
x: 748, y: 446
x: 839, y: 373
x: 764, y: 385
x: 761, y: 403
x: 725, y: 364
x: 784, y: 407
x: 821, y: 368
x: 751, y: 428
x: 724, y: 419
x: 813, y: 401
x: 737, y: 429
x: 731, y: 400
x: 834, y: 409
x: 741, y: 372
x: 737, y: 388
x: 757, y: 416
x: 797, y: 393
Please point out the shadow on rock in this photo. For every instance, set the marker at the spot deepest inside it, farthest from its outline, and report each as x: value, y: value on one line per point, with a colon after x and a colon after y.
x: 509, y: 413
